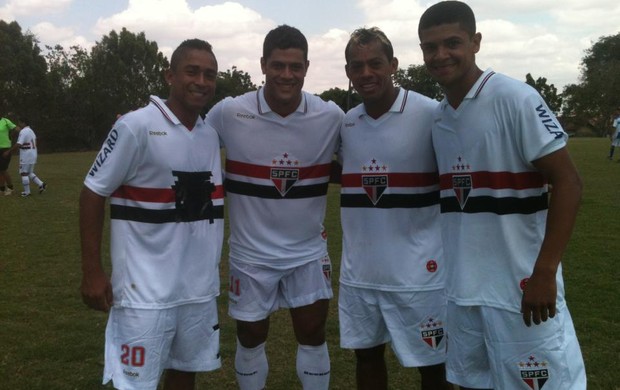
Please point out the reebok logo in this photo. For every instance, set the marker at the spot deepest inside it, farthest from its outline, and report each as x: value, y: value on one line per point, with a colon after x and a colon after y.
x: 161, y: 133
x: 245, y: 116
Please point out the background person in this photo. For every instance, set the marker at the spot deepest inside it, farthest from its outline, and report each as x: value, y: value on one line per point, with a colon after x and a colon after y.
x: 392, y: 269
x: 6, y: 126
x: 160, y: 169
x: 615, y: 136
x: 27, y: 145
x: 279, y: 145
x: 497, y: 146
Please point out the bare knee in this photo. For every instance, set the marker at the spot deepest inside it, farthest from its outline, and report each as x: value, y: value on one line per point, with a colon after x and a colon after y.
x: 309, y: 322
x: 370, y: 355
x: 252, y: 334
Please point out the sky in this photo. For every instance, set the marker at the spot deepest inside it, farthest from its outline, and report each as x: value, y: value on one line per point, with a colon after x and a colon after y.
x: 546, y: 38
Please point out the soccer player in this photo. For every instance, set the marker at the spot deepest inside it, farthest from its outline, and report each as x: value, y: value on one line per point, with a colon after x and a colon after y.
x: 392, y: 269
x: 160, y: 168
x: 615, y: 137
x: 279, y: 144
x: 6, y: 126
x: 499, y: 148
x: 27, y: 145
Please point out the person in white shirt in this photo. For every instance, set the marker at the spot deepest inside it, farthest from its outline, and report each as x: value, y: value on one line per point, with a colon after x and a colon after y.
x: 27, y: 145
x: 279, y: 144
x: 498, y: 148
x: 392, y: 270
x: 160, y: 169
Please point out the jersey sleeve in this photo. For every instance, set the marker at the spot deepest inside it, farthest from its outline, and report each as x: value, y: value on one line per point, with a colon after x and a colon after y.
x: 115, y: 163
x: 21, y: 138
x: 539, y: 132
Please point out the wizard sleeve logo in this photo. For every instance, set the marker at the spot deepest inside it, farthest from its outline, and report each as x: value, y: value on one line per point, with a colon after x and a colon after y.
x: 284, y: 172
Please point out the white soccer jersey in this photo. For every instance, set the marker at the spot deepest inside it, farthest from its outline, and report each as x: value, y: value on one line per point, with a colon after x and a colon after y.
x: 28, y: 149
x: 390, y: 198
x: 277, y: 175
x: 615, y: 138
x: 493, y: 200
x: 166, y: 237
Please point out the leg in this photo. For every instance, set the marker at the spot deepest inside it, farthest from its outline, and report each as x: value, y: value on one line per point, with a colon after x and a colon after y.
x: 309, y: 322
x: 179, y: 380
x: 370, y: 369
x: 25, y: 183
x: 434, y: 377
x: 313, y: 366
x: 251, y: 365
x: 611, y: 152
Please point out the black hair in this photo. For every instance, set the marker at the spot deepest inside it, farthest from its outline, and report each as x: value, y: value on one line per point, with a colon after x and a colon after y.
x: 189, y: 44
x: 284, y: 37
x: 364, y: 36
x: 447, y: 12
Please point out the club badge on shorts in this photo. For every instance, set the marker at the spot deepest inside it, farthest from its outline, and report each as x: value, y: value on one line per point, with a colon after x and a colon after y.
x: 534, y: 373
x: 432, y: 332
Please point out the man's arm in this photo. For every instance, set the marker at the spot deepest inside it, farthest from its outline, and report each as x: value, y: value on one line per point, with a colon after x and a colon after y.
x: 540, y: 293
x: 13, y: 148
x: 96, y: 288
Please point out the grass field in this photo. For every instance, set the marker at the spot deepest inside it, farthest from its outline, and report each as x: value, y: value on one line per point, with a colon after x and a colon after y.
x: 50, y: 340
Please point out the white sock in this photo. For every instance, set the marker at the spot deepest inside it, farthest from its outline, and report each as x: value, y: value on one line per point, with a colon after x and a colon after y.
x: 36, y: 180
x: 313, y: 366
x: 251, y: 367
x: 26, y: 184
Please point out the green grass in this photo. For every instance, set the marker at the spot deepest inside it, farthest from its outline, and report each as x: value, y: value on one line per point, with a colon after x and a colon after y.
x: 50, y: 340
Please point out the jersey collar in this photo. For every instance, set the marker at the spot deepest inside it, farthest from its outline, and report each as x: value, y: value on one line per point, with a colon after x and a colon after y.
x: 166, y: 112
x: 264, y: 108
x: 476, y: 89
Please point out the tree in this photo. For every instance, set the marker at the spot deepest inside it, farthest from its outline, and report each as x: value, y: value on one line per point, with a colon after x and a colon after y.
x: 346, y: 99
x: 233, y: 82
x: 123, y: 70
x: 22, y: 73
x: 417, y: 78
x: 595, y: 99
x: 548, y: 92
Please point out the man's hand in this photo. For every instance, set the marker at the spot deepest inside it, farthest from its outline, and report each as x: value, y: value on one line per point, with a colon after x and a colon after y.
x: 539, y: 298
x: 96, y: 291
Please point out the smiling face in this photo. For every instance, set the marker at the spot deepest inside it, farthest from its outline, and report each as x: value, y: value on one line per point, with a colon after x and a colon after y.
x: 192, y: 84
x: 285, y: 71
x: 370, y: 72
x: 450, y: 56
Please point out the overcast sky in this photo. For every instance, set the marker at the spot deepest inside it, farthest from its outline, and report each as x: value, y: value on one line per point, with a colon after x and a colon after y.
x: 546, y: 38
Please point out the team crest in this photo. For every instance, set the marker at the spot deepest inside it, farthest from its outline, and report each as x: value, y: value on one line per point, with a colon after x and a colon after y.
x: 534, y: 373
x: 374, y: 180
x: 461, y: 181
x: 326, y: 264
x: 432, y: 332
x: 284, y: 172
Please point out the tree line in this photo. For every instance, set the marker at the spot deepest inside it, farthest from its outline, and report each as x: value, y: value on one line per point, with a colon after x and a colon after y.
x: 72, y: 96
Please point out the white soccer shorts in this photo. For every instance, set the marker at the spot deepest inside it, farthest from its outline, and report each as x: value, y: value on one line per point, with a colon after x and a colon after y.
x: 256, y: 291
x: 414, y: 323
x: 140, y: 343
x: 492, y: 348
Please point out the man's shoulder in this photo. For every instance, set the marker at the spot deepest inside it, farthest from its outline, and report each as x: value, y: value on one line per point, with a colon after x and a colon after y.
x: 317, y: 104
